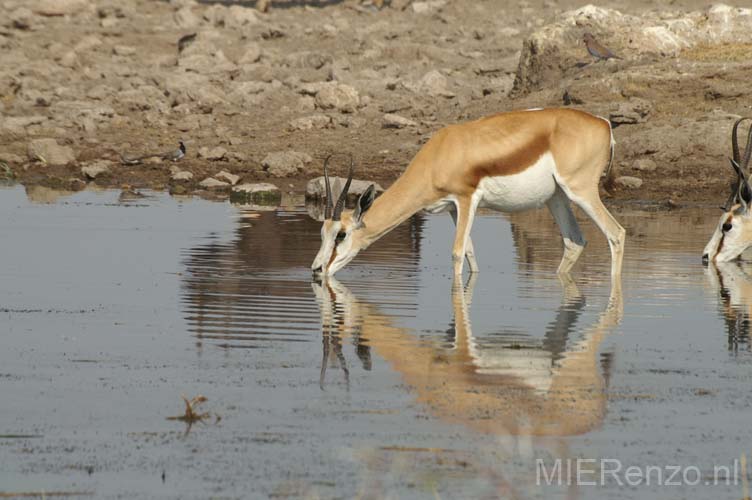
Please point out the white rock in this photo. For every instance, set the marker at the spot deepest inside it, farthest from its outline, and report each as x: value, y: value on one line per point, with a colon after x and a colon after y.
x: 58, y: 7
x: 391, y: 120
x: 227, y: 176
x: 185, y: 18
x: 317, y: 121
x: 628, y: 182
x: 341, y: 97
x: 182, y: 176
x: 212, y: 154
x: 211, y: 183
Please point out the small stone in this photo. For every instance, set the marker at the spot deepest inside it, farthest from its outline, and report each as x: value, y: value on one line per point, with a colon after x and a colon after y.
x: 213, y: 154
x: 211, y: 183
x: 645, y: 165
x: 285, y: 163
x: 318, y: 121
x: 69, y: 59
x: 628, y: 182
x: 123, y: 50
x: 185, y: 18
x: 341, y: 97
x: 59, y: 7
x: 76, y: 184
x: 391, y: 120
x: 260, y: 194
x: 182, y: 176
x: 227, y: 176
x: 50, y: 152
x: 21, y: 18
x: 251, y: 55
x: 96, y: 169
x: 263, y: 5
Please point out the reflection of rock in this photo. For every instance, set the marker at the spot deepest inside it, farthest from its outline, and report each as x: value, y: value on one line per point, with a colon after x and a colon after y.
x: 263, y: 194
x: 43, y: 194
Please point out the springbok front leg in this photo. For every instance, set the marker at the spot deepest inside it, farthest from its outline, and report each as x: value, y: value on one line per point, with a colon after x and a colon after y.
x: 465, y: 208
x: 574, y: 242
x: 469, y: 249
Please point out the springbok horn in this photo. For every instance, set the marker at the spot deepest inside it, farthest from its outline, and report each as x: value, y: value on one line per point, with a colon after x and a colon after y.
x: 747, y: 152
x: 329, y: 201
x: 731, y: 201
x: 743, y: 191
x: 735, y: 141
x: 343, y: 196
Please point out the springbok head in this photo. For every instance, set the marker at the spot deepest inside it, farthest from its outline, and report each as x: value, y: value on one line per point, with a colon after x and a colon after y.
x: 342, y: 235
x: 734, y: 231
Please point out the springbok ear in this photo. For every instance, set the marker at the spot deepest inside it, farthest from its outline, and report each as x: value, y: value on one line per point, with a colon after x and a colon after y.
x: 364, y: 203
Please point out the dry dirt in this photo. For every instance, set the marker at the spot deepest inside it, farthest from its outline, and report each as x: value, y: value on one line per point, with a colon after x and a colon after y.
x: 107, y: 79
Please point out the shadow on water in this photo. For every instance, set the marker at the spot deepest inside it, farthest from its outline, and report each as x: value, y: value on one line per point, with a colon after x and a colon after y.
x: 732, y: 283
x: 255, y: 288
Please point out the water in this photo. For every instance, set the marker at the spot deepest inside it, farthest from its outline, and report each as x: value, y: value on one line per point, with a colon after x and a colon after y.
x: 387, y: 382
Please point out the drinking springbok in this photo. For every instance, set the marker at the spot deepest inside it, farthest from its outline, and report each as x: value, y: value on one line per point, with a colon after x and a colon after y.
x: 509, y: 162
x: 734, y: 231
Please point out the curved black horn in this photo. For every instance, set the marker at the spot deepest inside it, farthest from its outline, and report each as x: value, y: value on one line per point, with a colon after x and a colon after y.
x: 731, y: 201
x: 735, y: 140
x: 343, y: 196
x: 329, y: 201
x: 747, y: 152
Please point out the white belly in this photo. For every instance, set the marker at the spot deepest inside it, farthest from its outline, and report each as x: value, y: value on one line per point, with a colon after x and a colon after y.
x: 528, y: 189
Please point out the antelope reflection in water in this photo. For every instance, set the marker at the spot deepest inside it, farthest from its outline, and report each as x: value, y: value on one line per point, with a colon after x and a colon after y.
x: 732, y: 282
x: 554, y: 389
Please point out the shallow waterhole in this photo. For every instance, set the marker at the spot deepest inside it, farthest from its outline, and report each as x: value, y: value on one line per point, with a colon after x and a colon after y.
x: 386, y: 381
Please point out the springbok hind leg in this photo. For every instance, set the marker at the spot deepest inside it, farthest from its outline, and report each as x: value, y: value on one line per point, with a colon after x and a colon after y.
x: 469, y: 250
x: 593, y: 206
x: 574, y: 242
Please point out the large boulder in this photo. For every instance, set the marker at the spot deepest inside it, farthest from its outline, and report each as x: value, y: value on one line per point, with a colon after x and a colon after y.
x: 316, y: 188
x: 557, y: 49
x: 50, y: 152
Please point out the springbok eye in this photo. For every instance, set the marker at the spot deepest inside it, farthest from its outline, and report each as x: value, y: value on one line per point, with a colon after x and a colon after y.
x: 726, y: 226
x: 340, y: 236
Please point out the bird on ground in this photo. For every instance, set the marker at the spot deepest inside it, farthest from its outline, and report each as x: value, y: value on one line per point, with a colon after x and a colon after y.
x: 596, y: 49
x: 174, y: 155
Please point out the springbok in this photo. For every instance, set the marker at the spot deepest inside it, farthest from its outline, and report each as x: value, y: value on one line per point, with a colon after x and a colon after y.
x: 509, y: 162
x: 734, y: 231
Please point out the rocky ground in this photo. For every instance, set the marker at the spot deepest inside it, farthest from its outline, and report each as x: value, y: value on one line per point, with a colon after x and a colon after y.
x: 263, y: 94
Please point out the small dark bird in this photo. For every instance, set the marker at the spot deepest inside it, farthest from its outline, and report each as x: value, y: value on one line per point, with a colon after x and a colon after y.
x: 597, y: 50
x: 175, y: 155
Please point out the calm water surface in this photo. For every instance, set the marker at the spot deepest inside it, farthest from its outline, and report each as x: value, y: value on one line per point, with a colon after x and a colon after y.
x: 387, y: 382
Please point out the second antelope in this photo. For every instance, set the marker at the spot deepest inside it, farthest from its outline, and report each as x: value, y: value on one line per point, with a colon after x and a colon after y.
x: 509, y: 162
x: 733, y: 234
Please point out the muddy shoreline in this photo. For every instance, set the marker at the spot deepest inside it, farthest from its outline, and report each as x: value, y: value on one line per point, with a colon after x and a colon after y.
x: 264, y: 95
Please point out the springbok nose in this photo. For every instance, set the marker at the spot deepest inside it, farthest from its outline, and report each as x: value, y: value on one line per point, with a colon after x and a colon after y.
x: 317, y: 270
x: 705, y: 258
